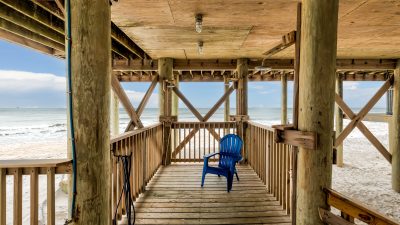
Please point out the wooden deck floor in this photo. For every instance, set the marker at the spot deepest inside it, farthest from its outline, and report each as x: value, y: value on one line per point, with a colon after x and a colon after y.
x: 174, y: 196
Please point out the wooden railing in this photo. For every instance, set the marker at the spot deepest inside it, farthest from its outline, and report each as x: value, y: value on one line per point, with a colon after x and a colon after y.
x: 145, y: 145
x: 190, y: 141
x: 271, y: 161
x: 32, y: 168
x: 351, y: 209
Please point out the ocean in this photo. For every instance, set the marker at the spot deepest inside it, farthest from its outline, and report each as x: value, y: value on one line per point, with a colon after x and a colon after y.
x: 42, y: 131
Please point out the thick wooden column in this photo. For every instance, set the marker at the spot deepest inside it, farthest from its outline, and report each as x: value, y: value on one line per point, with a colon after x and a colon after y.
x: 227, y: 105
x: 114, y: 114
x: 395, y: 143
x: 165, y: 66
x: 339, y: 120
x: 284, y: 99
x: 242, y: 72
x: 316, y: 105
x: 91, y: 69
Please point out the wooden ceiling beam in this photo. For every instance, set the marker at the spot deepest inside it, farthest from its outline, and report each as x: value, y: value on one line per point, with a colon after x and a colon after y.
x: 287, y: 40
x: 26, y: 22
x: 27, y: 34
x: 274, y: 75
x: 14, y: 38
x: 41, y: 20
x: 227, y: 65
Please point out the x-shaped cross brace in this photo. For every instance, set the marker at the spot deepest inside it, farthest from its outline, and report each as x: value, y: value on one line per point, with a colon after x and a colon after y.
x: 356, y: 120
x: 199, y: 116
x: 134, y: 115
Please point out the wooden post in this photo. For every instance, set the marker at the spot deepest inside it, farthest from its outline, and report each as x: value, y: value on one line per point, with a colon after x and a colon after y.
x: 227, y: 102
x: 114, y: 114
x: 91, y: 69
x: 165, y: 66
x: 284, y: 99
x: 316, y: 106
x: 241, y: 93
x: 175, y: 112
x: 175, y: 99
x: 242, y: 72
x: 339, y: 120
x: 395, y: 143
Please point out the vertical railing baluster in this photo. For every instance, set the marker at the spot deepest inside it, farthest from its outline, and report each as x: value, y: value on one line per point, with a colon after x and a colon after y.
x: 34, y: 196
x: 3, y: 195
x: 51, y: 219
x: 17, y: 197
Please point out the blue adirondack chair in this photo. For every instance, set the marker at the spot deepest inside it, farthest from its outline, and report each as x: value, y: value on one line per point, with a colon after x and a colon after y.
x: 229, y: 155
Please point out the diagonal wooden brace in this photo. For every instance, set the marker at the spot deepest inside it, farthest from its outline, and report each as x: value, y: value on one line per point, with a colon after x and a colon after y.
x: 119, y: 91
x: 200, y: 117
x: 360, y: 125
x: 364, y: 111
x: 144, y: 102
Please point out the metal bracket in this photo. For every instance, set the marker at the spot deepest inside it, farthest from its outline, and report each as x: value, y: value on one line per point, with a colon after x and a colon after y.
x: 288, y: 135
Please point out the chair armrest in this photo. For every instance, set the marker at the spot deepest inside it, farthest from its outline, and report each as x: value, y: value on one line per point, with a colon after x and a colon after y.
x: 211, y: 155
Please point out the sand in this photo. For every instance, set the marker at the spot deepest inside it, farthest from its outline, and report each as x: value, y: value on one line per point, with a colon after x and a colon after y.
x: 366, y: 175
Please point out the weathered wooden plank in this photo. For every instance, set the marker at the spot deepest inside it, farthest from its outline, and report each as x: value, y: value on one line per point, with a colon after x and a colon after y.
x: 287, y: 40
x: 331, y: 218
x: 356, y: 209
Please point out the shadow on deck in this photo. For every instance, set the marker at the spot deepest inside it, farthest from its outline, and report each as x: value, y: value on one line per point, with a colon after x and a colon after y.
x: 174, y: 196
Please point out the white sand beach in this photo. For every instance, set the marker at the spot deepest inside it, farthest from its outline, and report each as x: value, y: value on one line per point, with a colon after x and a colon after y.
x: 366, y: 175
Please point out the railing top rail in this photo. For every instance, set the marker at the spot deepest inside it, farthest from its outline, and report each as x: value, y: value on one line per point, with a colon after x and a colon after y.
x: 132, y: 133
x: 356, y: 209
x: 33, y: 163
x: 260, y: 125
x: 198, y: 122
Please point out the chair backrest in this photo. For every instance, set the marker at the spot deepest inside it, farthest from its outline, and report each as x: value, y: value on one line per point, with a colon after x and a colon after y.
x: 229, y: 150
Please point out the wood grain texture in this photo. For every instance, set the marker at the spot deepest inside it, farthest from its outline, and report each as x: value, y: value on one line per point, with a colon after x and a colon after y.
x: 339, y: 120
x: 395, y: 128
x: 316, y: 105
x: 181, y: 200
x: 91, y: 74
x: 238, y: 28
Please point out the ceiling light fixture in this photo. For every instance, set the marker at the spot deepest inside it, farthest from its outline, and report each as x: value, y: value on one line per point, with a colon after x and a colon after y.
x: 199, y: 23
x: 200, y: 47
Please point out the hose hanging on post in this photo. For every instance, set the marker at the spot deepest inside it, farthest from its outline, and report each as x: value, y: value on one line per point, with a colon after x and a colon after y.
x: 70, y: 104
x: 126, y: 161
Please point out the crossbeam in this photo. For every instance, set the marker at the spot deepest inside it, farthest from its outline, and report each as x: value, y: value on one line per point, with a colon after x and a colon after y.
x: 287, y: 40
x: 230, y: 64
x: 363, y: 112
x: 119, y: 91
x: 360, y: 125
x: 144, y: 101
x: 200, y: 117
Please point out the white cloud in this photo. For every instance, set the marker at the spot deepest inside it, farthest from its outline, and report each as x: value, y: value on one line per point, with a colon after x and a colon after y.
x: 351, y: 85
x: 137, y: 96
x: 23, y: 82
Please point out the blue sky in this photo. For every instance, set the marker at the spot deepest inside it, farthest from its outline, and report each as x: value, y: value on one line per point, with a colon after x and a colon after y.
x: 32, y: 79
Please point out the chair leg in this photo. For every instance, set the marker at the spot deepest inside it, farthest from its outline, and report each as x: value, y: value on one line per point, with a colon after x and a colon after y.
x: 237, y: 177
x: 229, y: 179
x: 202, y: 178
